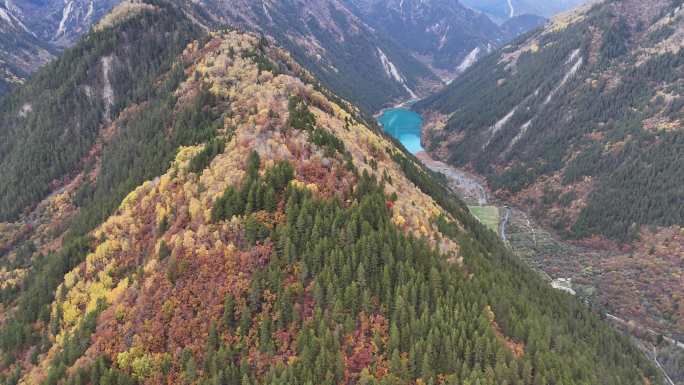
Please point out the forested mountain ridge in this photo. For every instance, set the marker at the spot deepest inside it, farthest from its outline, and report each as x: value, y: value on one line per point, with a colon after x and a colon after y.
x: 49, y: 126
x: 581, y: 121
x: 234, y: 222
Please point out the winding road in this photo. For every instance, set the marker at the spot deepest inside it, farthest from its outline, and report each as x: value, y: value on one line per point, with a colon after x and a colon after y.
x: 669, y: 340
x: 655, y: 359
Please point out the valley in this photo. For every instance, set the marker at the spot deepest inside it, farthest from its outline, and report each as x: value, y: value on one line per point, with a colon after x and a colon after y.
x: 540, y: 246
x: 199, y: 193
x: 583, y: 271
x: 584, y: 143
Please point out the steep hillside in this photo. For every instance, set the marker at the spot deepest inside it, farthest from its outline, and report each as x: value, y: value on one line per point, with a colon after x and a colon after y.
x: 20, y: 51
x: 444, y: 34
x: 267, y: 235
x: 57, y: 22
x: 329, y: 39
x: 375, y: 53
x: 581, y: 121
x: 49, y: 127
x: 32, y: 32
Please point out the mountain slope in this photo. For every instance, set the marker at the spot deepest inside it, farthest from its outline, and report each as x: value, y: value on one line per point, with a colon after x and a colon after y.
x: 366, y: 51
x: 343, y: 52
x: 32, y: 32
x: 20, y: 51
x: 48, y: 128
x: 443, y: 33
x: 581, y: 121
x: 57, y: 22
x: 287, y: 241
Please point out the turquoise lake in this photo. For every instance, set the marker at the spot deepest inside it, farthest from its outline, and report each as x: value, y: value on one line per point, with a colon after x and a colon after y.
x: 403, y: 125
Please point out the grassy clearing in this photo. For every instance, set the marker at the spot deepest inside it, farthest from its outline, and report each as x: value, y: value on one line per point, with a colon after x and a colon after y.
x: 488, y: 215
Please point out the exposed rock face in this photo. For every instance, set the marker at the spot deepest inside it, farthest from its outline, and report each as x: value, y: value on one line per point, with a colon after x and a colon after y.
x: 443, y: 34
x: 32, y: 32
x: 332, y: 40
x: 59, y: 22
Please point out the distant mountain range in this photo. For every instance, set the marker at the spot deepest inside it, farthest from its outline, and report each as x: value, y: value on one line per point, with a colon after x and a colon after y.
x: 375, y: 53
x: 33, y: 31
x: 502, y: 10
x: 331, y: 40
x: 443, y: 34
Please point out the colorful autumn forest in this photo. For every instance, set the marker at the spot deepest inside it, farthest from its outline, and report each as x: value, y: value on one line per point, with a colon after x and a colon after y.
x: 289, y: 242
